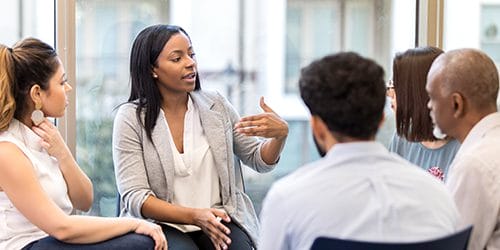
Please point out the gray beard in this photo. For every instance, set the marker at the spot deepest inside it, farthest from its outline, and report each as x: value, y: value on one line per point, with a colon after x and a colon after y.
x: 438, y: 133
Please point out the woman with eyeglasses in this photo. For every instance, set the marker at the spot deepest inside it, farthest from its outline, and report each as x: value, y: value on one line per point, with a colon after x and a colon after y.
x: 416, y: 138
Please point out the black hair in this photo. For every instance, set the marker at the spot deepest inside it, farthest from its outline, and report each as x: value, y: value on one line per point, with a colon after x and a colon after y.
x: 146, y: 48
x: 347, y: 92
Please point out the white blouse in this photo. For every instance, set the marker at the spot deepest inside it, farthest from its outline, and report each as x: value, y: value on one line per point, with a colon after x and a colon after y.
x: 196, y: 181
x: 15, y: 230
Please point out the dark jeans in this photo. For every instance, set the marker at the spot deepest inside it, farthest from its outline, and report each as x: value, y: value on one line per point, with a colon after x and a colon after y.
x: 131, y: 241
x: 177, y: 240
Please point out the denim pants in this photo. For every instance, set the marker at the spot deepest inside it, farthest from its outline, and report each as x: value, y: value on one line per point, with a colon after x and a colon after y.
x: 130, y: 241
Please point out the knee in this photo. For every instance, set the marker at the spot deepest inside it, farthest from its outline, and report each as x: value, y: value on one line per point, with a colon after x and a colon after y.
x: 134, y: 241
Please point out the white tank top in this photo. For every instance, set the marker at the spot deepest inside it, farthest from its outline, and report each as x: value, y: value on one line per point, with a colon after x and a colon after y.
x: 15, y: 230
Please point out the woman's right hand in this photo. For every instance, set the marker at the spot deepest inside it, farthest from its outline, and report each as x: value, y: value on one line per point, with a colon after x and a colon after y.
x: 209, y: 220
x: 52, y: 140
x: 154, y: 231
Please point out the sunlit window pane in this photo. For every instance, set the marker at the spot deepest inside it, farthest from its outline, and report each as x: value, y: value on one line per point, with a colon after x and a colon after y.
x: 27, y: 18
x: 256, y: 48
x: 480, y: 30
x: 104, y: 34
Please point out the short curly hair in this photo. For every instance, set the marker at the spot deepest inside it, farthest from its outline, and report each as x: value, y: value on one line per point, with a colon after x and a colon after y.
x: 347, y: 91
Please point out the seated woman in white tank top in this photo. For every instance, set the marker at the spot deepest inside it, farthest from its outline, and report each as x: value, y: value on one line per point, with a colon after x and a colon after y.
x: 40, y: 182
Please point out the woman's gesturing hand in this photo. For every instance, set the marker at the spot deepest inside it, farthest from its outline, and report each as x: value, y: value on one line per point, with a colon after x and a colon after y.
x: 154, y: 231
x: 267, y: 124
x: 209, y: 220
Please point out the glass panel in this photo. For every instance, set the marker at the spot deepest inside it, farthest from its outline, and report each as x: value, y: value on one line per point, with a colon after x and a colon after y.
x: 324, y: 31
x: 315, y: 28
x: 490, y: 29
x: 104, y: 34
x: 293, y: 46
x: 27, y: 18
x: 480, y: 30
x: 255, y: 49
x: 359, y: 16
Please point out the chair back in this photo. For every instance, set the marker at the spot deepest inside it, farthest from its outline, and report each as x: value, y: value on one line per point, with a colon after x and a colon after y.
x: 455, y: 241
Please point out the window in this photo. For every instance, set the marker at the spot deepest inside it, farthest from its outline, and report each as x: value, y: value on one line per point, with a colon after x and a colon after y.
x: 104, y: 34
x: 490, y: 29
x: 27, y: 18
x: 479, y: 30
x: 319, y: 27
x: 255, y: 49
x: 314, y: 29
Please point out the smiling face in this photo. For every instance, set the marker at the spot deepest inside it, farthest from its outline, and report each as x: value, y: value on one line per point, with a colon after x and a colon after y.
x: 54, y: 99
x: 175, y: 69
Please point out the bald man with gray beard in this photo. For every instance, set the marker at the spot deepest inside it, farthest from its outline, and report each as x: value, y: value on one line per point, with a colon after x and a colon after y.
x: 463, y: 89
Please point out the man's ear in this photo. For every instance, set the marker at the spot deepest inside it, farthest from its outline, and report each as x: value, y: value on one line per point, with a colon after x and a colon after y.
x: 458, y: 102
x: 36, y: 95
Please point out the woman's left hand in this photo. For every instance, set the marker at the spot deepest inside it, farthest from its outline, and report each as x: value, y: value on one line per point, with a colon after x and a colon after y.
x: 267, y: 124
x: 52, y: 140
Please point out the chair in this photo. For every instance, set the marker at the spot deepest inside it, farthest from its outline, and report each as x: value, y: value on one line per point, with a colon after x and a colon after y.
x: 456, y: 241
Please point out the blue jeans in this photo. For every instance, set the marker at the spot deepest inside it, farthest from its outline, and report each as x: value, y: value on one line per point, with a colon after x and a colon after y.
x: 130, y: 241
x: 177, y: 240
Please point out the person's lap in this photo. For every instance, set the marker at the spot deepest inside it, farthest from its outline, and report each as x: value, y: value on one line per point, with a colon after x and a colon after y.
x: 178, y: 240
x: 131, y: 241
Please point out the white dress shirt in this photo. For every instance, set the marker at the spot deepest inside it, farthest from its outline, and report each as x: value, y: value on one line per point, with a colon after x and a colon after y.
x: 15, y: 230
x: 357, y: 191
x: 474, y: 182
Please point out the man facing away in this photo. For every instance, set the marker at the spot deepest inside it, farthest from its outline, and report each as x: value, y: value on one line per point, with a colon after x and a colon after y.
x: 358, y: 190
x: 463, y: 89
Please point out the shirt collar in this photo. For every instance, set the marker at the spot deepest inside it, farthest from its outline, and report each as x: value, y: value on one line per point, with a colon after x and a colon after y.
x: 480, y: 130
x: 344, y: 151
x: 24, y: 134
x: 190, y: 105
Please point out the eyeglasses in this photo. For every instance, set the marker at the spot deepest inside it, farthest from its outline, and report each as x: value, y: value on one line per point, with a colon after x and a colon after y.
x: 389, y: 89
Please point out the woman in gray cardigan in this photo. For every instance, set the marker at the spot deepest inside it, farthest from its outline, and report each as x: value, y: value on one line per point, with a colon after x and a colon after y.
x: 177, y: 148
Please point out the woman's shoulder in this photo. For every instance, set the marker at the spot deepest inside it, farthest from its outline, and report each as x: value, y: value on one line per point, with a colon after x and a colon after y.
x: 127, y: 112
x: 11, y: 151
x: 212, y: 95
x: 209, y: 97
x: 128, y: 108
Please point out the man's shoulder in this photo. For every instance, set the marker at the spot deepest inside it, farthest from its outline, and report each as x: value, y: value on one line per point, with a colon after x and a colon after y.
x: 298, y: 179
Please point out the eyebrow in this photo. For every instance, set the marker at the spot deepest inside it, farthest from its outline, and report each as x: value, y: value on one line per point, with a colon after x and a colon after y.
x: 179, y: 51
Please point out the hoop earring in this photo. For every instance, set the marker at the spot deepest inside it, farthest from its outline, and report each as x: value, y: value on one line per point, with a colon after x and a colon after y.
x: 37, y: 116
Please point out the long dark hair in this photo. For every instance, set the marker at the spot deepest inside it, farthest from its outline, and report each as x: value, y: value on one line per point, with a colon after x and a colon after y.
x: 410, y: 70
x: 145, y: 51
